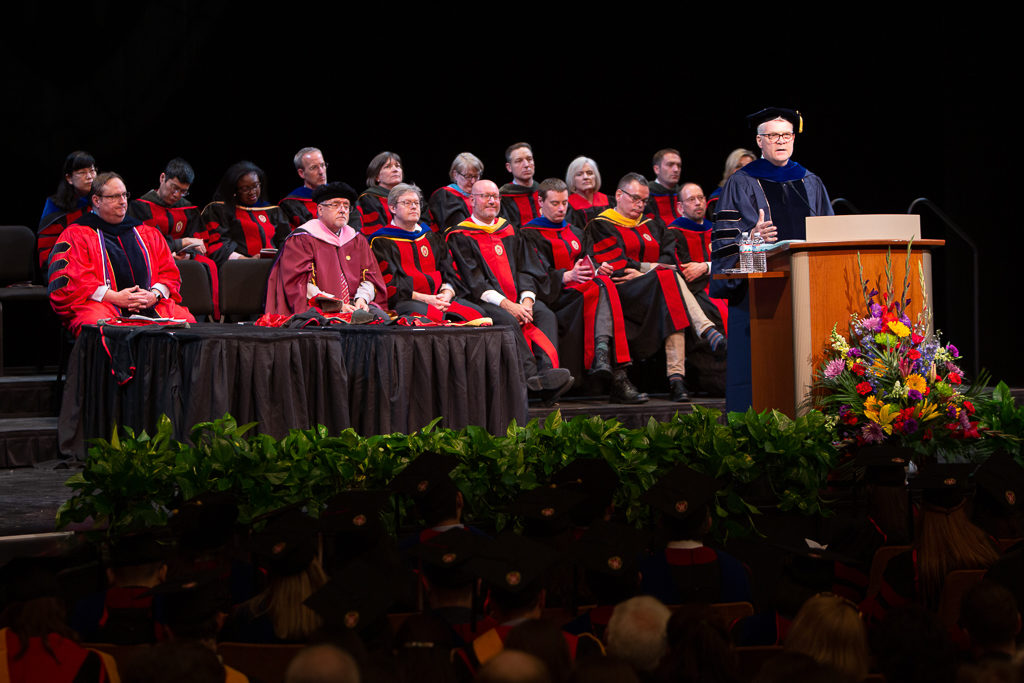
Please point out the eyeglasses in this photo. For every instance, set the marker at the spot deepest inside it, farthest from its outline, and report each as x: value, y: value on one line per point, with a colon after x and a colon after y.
x: 337, y: 206
x: 409, y: 203
x: 174, y: 189
x: 778, y: 137
x: 472, y: 176
x: 83, y: 172
x: 247, y: 189
x: 635, y: 198
x: 487, y: 196
x: 321, y: 166
x: 119, y: 195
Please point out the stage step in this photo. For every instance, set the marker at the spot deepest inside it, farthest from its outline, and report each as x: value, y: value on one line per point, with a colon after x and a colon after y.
x: 29, y: 395
x: 632, y: 416
x: 25, y: 441
x: 30, y: 497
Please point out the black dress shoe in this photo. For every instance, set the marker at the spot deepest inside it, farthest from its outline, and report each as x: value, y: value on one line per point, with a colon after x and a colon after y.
x: 601, y: 368
x: 677, y: 391
x: 553, y: 390
x: 624, y: 391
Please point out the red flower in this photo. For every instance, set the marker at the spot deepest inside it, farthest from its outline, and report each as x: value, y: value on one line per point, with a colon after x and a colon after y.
x: 851, y: 419
x: 857, y: 369
x: 953, y: 378
x: 916, y: 338
x: 913, y: 354
x: 864, y: 388
x: 969, y: 407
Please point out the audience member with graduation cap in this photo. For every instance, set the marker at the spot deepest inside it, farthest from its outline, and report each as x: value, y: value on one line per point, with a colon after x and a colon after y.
x: 437, y: 498
x: 514, y: 571
x: 36, y: 643
x: 351, y: 525
x: 686, y: 570
x: 286, y: 550
x: 997, y: 503
x: 596, y: 479
x: 446, y: 572
x: 945, y: 540
x: 609, y: 555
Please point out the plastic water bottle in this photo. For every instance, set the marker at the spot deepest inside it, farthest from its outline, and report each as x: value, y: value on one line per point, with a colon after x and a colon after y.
x: 746, y: 254
x: 759, y: 254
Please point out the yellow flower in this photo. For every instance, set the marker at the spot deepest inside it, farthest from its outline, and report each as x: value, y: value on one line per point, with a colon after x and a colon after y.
x: 926, y: 410
x: 881, y: 413
x: 916, y: 382
x: 899, y: 329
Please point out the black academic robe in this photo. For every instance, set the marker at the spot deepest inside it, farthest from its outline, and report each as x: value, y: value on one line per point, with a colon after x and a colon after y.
x: 299, y: 208
x: 373, y: 210
x: 418, y: 261
x: 496, y: 258
x: 173, y: 222
x: 653, y: 303
x: 520, y: 205
x: 448, y: 207
x: 575, y: 305
x: 661, y: 204
x: 242, y: 229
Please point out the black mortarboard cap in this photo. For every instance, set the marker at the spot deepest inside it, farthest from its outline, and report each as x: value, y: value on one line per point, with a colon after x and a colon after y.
x: 329, y: 191
x: 681, y: 492
x: 207, y: 521
x: 610, y: 548
x: 446, y: 558
x: 771, y: 113
x: 191, y: 599
x: 287, y: 544
x: 354, y: 512
x: 944, y: 484
x: 424, y: 474
x: 884, y: 465
x: 1002, y: 479
x: 595, y: 478
x: 546, y: 510
x: 514, y: 564
x: 362, y: 592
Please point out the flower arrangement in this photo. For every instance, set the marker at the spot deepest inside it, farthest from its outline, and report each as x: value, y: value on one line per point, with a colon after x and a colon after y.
x: 892, y: 380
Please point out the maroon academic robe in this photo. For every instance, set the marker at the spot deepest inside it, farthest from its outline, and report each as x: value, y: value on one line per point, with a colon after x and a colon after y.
x: 306, y: 257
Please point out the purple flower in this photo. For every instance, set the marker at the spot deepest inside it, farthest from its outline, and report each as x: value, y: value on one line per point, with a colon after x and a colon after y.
x: 951, y: 411
x: 909, y: 426
x: 953, y: 351
x: 872, y: 432
x: 965, y: 420
x: 844, y: 410
x: 876, y: 310
x: 853, y: 353
x: 914, y: 395
x: 835, y: 368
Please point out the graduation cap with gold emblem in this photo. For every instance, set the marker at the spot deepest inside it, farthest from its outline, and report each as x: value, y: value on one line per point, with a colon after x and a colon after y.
x: 288, y: 543
x: 771, y: 113
x: 206, y: 521
x: 514, y: 565
x: 598, y: 482
x: 1001, y: 479
x: 681, y: 493
x: 447, y: 558
x: 426, y: 481
x: 944, y: 485
x: 546, y: 510
x: 884, y: 465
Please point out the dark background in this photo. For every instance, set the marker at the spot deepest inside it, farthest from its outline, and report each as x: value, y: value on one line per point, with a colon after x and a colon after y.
x: 897, y: 105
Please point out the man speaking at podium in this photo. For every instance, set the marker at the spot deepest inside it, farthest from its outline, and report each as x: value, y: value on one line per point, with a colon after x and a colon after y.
x: 772, y: 195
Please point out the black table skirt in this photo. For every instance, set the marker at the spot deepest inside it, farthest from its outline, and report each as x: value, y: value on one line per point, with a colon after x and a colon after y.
x: 376, y: 379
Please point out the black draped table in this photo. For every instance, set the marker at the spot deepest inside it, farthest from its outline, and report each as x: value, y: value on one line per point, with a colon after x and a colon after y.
x: 375, y: 379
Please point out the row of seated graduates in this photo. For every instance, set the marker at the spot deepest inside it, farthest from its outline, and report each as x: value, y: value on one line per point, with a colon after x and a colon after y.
x: 574, y: 560
x: 241, y: 223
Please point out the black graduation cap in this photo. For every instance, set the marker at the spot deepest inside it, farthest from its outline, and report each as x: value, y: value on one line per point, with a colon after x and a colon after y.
x: 884, y: 465
x: 1002, y: 479
x: 287, y: 544
x: 207, y: 521
x: 192, y: 599
x: 681, y: 492
x: 446, y: 558
x: 425, y: 474
x: 138, y: 549
x: 944, y: 484
x: 771, y: 113
x: 362, y: 592
x: 610, y: 548
x: 514, y: 564
x: 329, y: 191
x: 354, y: 512
x: 595, y: 478
x: 546, y: 510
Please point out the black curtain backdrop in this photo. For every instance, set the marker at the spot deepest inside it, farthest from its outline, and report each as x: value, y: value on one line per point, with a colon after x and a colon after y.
x: 897, y: 105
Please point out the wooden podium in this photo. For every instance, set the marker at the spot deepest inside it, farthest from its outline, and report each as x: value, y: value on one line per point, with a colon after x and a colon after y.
x: 811, y: 286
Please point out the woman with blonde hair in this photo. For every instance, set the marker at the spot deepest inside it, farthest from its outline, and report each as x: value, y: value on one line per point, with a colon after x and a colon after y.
x: 830, y: 629
x: 737, y: 159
